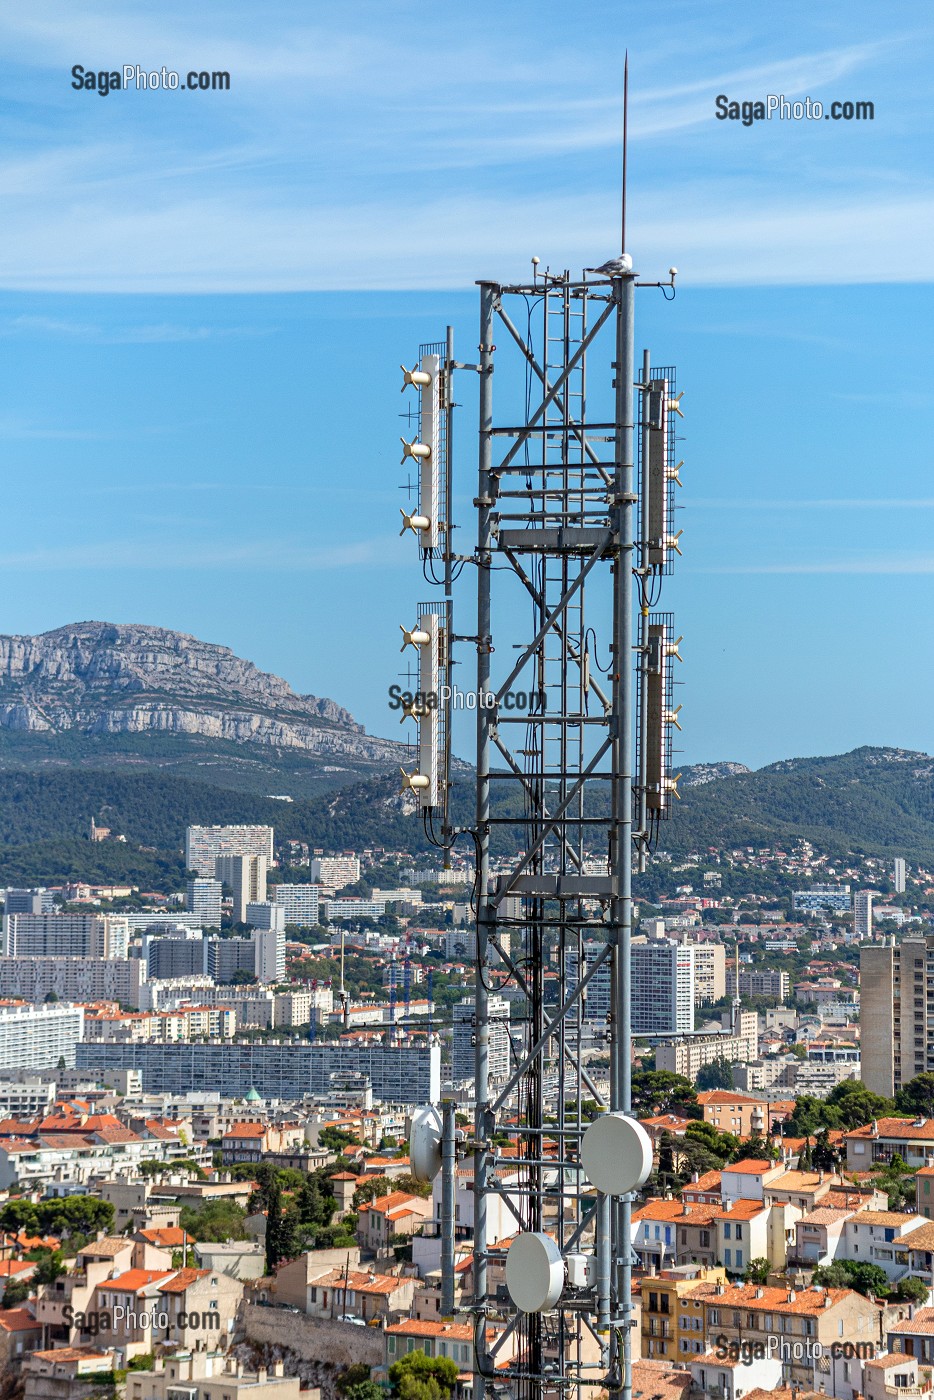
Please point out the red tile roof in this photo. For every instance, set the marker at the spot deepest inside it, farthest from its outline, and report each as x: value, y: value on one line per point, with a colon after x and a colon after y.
x: 165, y: 1236
x: 18, y: 1320
x: 395, y: 1202
x: 922, y: 1322
x: 134, y: 1279
x: 724, y: 1097
x: 905, y: 1129
x: 183, y: 1279
x: 756, y: 1299
x: 378, y: 1284
x: 422, y: 1327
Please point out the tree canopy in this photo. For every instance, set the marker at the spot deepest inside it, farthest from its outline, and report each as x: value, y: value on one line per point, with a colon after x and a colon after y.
x: 421, y: 1377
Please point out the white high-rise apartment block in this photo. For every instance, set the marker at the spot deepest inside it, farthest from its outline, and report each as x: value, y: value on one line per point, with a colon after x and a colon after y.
x: 65, y: 936
x: 246, y: 876
x: 597, y: 990
x: 898, y: 875
x: 662, y: 987
x: 299, y: 903
x: 862, y: 914
x: 204, y: 844
x: 73, y: 979
x: 709, y: 972
x: 334, y: 872
x: 204, y: 897
x: 37, y: 901
x: 262, y: 914
x: 463, y: 1066
x: 38, y: 1037
x: 269, y: 955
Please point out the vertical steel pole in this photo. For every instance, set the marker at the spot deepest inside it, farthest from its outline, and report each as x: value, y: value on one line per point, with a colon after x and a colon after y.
x: 644, y: 618
x: 623, y: 513
x: 485, y: 913
x: 448, y: 579
x: 448, y: 1180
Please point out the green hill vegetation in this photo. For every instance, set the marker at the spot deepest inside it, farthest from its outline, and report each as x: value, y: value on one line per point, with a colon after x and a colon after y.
x: 871, y: 801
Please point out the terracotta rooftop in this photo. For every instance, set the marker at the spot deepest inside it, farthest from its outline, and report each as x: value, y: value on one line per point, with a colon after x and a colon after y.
x: 922, y: 1322
x: 660, y: 1210
x: 378, y: 1284
x: 18, y: 1320
x: 826, y: 1215
x: 657, y: 1380
x: 905, y: 1129
x: 799, y: 1181
x: 59, y: 1354
x: 894, y: 1358
x: 840, y: 1199
x: 886, y: 1217
x: 740, y: 1210
x: 922, y: 1238
x: 182, y: 1279
x: 671, y: 1122
x: 391, y: 1203
x: 707, y: 1181
x: 723, y: 1096
x: 165, y: 1236
x: 757, y: 1299
x: 754, y: 1166
x: 135, y: 1279
x: 422, y: 1327
x: 106, y: 1249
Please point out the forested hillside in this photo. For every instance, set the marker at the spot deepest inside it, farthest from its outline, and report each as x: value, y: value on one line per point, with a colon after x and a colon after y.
x: 873, y: 801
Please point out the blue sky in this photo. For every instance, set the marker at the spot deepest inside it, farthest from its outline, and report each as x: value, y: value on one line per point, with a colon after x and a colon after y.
x: 204, y: 298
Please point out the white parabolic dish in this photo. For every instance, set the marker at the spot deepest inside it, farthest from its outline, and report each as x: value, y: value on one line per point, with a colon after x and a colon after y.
x: 534, y: 1272
x: 425, y: 1143
x: 616, y: 1154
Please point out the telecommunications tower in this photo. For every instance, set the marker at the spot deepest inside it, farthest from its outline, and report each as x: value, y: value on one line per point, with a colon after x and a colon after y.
x: 573, y: 693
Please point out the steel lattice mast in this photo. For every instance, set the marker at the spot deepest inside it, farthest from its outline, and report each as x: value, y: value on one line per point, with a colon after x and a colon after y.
x: 574, y: 507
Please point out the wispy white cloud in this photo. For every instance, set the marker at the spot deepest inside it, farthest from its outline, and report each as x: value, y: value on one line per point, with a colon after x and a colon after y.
x: 171, y: 553
x: 863, y: 564
x: 830, y: 503
x: 155, y: 334
x: 441, y: 141
x: 217, y: 243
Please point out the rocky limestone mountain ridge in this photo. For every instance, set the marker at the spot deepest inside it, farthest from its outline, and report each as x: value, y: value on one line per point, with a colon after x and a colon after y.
x: 104, y: 678
x: 696, y: 774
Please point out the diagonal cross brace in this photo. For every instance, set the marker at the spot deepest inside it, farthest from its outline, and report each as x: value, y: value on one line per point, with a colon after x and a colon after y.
x: 552, y: 393
x: 550, y: 1029
x: 549, y: 827
x: 536, y: 597
x: 556, y: 612
x: 559, y: 402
